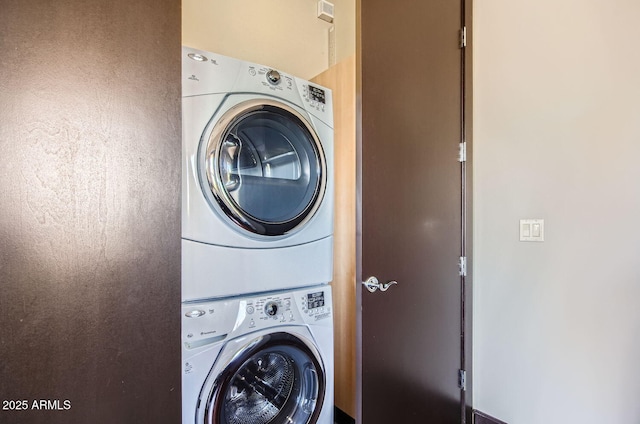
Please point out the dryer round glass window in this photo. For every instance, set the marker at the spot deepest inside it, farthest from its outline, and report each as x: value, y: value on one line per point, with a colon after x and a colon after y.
x: 265, y: 167
x: 278, y: 379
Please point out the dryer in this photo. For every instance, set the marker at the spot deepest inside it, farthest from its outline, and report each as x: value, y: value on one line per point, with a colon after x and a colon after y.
x: 257, y: 178
x: 259, y: 359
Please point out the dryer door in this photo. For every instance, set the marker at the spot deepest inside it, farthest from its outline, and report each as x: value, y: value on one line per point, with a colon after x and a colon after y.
x: 277, y: 378
x: 265, y: 167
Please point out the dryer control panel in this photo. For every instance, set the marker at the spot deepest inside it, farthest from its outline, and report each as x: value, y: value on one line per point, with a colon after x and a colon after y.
x: 209, y: 73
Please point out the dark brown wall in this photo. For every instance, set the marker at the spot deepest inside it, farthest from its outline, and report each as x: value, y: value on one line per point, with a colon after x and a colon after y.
x: 90, y: 210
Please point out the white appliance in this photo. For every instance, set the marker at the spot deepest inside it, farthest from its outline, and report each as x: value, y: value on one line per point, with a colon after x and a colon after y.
x: 259, y: 359
x: 257, y: 178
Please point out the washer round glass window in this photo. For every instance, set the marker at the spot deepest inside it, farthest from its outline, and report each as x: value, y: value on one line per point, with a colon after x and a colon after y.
x: 265, y: 167
x: 277, y: 380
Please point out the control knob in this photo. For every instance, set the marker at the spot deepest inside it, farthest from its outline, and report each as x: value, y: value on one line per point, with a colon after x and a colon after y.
x: 273, y: 77
x: 271, y: 309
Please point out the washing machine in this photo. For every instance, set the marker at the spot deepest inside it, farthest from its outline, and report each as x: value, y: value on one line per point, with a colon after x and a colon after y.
x: 257, y: 178
x: 259, y: 359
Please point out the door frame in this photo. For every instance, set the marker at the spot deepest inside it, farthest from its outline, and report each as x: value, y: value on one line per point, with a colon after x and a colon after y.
x: 467, y: 126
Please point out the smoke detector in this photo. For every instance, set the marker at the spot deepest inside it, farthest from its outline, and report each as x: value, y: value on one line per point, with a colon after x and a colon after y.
x: 325, y: 11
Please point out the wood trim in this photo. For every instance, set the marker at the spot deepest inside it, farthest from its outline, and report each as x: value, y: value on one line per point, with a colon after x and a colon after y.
x: 341, y: 80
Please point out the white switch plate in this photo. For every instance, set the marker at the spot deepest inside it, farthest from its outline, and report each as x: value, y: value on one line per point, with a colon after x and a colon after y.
x: 532, y: 230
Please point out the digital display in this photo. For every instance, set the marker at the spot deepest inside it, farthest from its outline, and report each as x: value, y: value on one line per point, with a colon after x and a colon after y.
x: 316, y: 94
x: 315, y: 300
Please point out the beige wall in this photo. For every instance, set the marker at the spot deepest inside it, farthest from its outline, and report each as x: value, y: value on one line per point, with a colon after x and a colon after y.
x: 557, y: 136
x: 345, y: 27
x: 284, y: 34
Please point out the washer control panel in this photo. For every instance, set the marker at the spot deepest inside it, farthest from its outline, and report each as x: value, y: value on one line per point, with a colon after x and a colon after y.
x: 316, y: 304
x: 207, y: 323
x: 276, y: 307
x: 308, y: 305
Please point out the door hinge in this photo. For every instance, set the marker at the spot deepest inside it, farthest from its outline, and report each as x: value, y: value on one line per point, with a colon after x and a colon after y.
x: 462, y: 266
x: 463, y: 37
x: 462, y: 152
x: 462, y: 380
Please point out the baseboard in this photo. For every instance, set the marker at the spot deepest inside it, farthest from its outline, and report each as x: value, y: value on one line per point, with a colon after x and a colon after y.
x: 341, y: 417
x: 482, y: 418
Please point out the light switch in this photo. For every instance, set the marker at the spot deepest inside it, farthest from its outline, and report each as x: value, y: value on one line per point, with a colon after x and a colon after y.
x: 536, y: 230
x: 532, y: 230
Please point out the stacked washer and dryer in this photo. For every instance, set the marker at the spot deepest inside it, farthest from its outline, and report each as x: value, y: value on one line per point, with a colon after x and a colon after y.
x: 257, y: 245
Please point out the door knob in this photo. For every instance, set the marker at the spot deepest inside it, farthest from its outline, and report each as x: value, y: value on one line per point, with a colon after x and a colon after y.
x: 372, y: 284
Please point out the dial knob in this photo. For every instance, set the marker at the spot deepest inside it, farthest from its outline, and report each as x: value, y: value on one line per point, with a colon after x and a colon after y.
x: 273, y: 77
x: 271, y: 309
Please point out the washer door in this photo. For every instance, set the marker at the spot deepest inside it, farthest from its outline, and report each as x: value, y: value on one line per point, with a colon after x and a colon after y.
x: 278, y: 378
x: 265, y: 167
